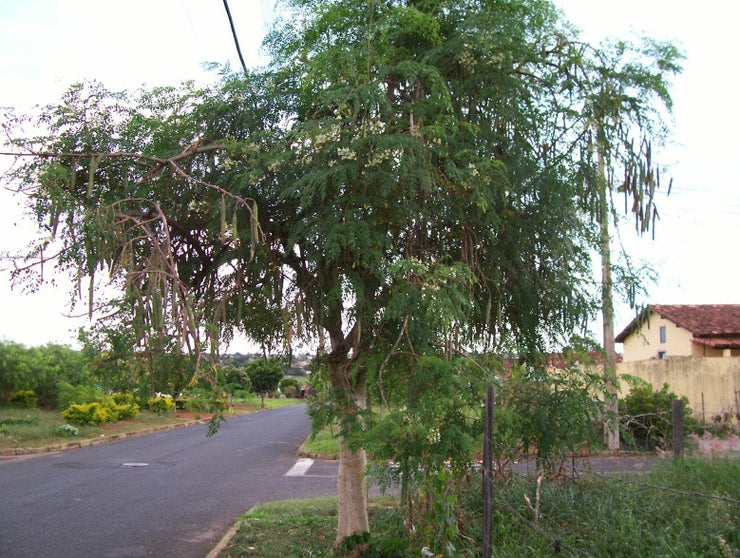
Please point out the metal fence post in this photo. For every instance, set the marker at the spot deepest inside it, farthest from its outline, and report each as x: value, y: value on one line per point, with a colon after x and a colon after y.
x: 677, y: 427
x: 488, y: 474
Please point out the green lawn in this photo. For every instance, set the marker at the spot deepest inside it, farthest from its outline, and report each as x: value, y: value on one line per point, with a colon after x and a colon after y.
x: 34, y: 428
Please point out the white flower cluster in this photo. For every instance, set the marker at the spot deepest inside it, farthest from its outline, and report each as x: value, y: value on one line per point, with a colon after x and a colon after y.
x: 347, y: 154
x: 388, y: 154
x: 434, y: 436
x: 373, y: 126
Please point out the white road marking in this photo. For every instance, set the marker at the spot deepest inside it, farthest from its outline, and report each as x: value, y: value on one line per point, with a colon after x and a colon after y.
x: 300, y: 468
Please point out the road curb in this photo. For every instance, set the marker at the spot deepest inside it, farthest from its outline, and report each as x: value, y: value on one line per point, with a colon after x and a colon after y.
x: 224, y: 542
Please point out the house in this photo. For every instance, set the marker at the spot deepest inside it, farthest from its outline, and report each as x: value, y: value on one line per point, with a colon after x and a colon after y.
x: 682, y: 330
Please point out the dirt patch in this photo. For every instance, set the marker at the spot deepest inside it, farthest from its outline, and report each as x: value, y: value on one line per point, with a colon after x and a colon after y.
x: 184, y: 415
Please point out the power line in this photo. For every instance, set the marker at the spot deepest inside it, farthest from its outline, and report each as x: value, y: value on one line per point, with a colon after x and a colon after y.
x: 233, y: 33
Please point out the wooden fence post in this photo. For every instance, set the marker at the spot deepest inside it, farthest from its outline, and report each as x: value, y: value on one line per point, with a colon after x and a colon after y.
x: 677, y: 427
x: 488, y: 474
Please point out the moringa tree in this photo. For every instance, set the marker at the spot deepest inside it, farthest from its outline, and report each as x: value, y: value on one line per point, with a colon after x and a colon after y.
x: 626, y: 103
x: 400, y: 180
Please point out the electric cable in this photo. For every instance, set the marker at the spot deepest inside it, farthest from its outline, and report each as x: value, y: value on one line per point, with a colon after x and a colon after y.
x: 236, y: 39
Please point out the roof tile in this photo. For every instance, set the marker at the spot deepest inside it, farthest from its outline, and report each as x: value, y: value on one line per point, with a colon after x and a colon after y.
x: 702, y: 320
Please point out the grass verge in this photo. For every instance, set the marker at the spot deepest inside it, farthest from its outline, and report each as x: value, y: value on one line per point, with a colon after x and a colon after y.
x: 302, y: 528
x: 686, y: 508
x: 325, y: 444
x: 35, y: 428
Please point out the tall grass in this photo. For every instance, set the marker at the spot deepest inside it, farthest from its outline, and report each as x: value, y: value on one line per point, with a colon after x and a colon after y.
x: 685, y: 508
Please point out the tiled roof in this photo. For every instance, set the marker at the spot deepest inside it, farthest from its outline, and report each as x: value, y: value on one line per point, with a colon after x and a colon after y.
x: 718, y: 342
x: 559, y: 360
x: 704, y: 321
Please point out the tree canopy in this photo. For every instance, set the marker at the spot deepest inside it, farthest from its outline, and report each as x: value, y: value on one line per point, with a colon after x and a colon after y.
x: 404, y: 180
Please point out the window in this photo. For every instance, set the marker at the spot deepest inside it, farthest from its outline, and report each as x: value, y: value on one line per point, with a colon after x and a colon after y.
x: 662, y: 334
x: 661, y: 355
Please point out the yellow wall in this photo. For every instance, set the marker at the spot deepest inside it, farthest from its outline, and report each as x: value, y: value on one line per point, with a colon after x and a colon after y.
x: 716, y: 379
x: 645, y: 344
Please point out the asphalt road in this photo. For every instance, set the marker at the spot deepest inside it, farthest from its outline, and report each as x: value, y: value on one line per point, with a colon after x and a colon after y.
x: 168, y: 494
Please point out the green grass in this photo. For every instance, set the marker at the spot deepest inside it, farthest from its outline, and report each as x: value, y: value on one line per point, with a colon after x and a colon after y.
x: 270, y: 403
x: 687, y: 508
x: 34, y: 428
x: 325, y: 444
x: 300, y: 528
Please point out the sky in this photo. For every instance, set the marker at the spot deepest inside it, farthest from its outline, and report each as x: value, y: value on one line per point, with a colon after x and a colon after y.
x: 47, y: 45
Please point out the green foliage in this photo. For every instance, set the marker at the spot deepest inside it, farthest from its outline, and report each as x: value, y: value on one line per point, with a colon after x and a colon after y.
x: 90, y: 406
x: 24, y: 398
x: 39, y: 369
x: 307, y: 528
x: 119, y: 364
x: 265, y: 374
x: 647, y: 416
x: 125, y: 405
x: 161, y: 404
x: 67, y: 394
x: 89, y: 413
x: 232, y: 378
x: 431, y: 433
x: 549, y: 413
x: 68, y: 430
x: 123, y: 398
x: 289, y: 386
x: 195, y: 403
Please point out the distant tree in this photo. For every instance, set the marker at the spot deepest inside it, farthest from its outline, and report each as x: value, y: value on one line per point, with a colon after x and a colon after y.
x: 40, y: 369
x: 265, y: 375
x: 289, y: 386
x: 234, y: 378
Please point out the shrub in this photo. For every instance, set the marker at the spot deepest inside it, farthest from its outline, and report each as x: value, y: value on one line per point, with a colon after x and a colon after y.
x: 646, y: 416
x: 25, y: 398
x: 289, y: 386
x: 125, y: 405
x: 123, y: 399
x: 127, y: 411
x: 161, y: 404
x: 89, y: 413
x: 196, y: 404
x: 67, y: 394
x: 68, y: 429
x: 232, y: 378
x: 90, y: 406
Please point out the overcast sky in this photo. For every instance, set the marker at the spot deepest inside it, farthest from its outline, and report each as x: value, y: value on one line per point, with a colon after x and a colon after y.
x: 48, y: 44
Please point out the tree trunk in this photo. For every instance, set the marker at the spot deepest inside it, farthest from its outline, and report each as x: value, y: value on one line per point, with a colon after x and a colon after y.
x: 352, y: 515
x: 352, y: 512
x: 611, y: 421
